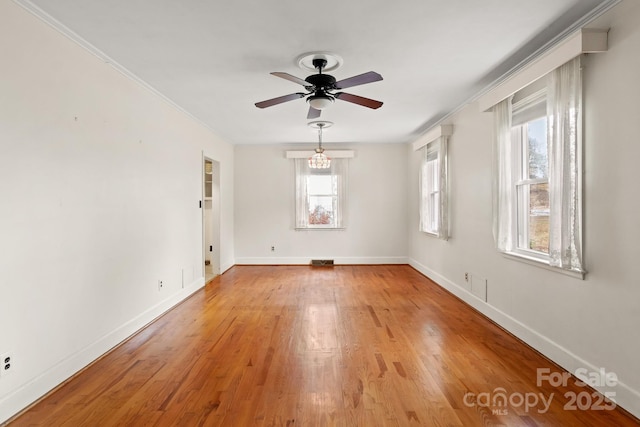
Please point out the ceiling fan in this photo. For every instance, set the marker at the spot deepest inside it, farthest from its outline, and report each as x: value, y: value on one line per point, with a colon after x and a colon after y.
x: 321, y: 90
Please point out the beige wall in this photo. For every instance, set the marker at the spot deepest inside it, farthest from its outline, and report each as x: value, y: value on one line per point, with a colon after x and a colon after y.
x: 99, y: 182
x: 375, y: 216
x: 589, y: 323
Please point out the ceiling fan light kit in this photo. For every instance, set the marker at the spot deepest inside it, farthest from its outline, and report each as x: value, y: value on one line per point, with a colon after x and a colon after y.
x: 320, y: 102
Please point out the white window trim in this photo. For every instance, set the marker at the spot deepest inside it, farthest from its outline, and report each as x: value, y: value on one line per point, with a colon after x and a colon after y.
x: 334, y: 154
x: 441, y: 231
x: 525, y: 258
x: 341, y: 201
x: 585, y: 40
x: 440, y: 134
x: 433, y: 134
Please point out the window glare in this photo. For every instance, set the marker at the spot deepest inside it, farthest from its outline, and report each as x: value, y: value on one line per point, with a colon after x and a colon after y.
x: 320, y: 184
x: 537, y: 148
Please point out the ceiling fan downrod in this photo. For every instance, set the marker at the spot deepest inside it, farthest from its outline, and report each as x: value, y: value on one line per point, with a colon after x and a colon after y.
x: 319, y: 64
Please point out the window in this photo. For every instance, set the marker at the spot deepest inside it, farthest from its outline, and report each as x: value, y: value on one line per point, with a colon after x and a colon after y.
x: 433, y: 189
x: 531, y: 165
x: 537, y: 176
x: 320, y: 195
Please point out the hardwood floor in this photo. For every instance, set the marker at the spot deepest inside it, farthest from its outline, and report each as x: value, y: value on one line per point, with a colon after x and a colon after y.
x: 303, y: 346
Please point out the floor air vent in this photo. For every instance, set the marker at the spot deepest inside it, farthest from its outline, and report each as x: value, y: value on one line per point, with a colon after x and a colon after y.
x: 322, y: 262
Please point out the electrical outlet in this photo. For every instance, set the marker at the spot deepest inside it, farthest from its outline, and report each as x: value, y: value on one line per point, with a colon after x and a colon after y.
x: 7, y: 365
x: 160, y: 285
x: 466, y: 277
x: 273, y: 248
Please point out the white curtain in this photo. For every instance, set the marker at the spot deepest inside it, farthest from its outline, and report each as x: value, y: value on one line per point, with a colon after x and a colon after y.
x: 503, y: 189
x: 564, y: 109
x: 302, y: 201
x: 339, y: 171
x: 443, y: 209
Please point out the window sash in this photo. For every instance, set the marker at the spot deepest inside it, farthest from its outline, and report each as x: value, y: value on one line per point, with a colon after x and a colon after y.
x: 524, y: 221
x: 433, y: 189
x: 522, y: 183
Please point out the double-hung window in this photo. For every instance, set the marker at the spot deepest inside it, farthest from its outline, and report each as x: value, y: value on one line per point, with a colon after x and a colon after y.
x: 433, y: 189
x: 531, y: 180
x: 537, y: 176
x: 320, y: 195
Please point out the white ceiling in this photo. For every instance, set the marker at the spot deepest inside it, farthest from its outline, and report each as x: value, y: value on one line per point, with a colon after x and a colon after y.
x: 213, y: 58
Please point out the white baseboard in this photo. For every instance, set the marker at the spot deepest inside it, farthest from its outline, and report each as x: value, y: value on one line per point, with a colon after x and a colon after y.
x: 42, y: 384
x: 225, y: 267
x: 307, y: 260
x: 625, y: 396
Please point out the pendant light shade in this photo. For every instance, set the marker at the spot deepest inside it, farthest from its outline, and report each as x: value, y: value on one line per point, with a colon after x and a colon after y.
x: 319, y: 160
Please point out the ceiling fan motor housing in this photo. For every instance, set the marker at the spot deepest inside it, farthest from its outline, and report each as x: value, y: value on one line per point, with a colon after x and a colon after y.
x: 321, y: 81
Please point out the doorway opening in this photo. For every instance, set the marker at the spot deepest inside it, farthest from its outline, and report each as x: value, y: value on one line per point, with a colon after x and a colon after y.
x: 211, y: 218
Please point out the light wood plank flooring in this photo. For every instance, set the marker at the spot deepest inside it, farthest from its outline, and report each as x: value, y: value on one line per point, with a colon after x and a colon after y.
x: 303, y: 346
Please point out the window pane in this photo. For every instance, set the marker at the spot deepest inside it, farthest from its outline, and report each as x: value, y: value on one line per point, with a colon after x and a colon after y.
x: 539, y: 217
x: 434, y: 201
x: 320, y: 184
x: 321, y: 210
x: 432, y: 171
x: 537, y: 148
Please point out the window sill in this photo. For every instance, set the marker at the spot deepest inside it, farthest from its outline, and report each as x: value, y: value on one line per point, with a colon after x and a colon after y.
x: 434, y: 235
x: 542, y: 264
x: 320, y: 229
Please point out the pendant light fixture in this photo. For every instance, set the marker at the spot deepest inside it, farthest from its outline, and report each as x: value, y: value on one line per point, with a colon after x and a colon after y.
x: 319, y: 160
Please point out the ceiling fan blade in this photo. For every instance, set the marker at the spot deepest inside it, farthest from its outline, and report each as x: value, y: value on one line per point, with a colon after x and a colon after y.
x: 279, y: 100
x: 360, y: 100
x: 291, y: 78
x: 361, y: 79
x: 313, y: 113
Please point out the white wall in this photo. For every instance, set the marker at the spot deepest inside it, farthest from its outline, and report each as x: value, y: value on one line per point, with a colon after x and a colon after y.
x: 99, y: 186
x: 376, y: 211
x: 590, y: 323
